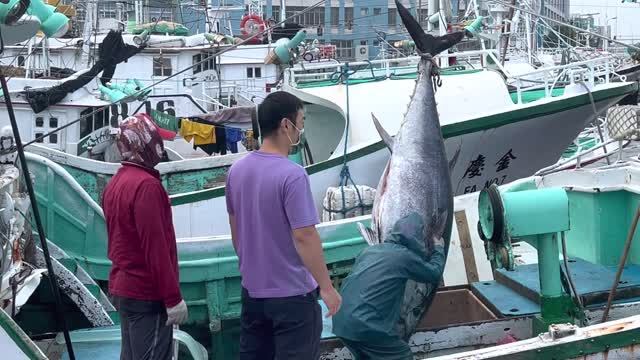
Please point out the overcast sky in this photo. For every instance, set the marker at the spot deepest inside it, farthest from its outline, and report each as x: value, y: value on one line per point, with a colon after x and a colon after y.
x: 628, y: 15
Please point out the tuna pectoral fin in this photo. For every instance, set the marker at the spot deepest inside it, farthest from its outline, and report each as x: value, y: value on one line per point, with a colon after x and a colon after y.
x: 440, y: 225
x: 454, y: 160
x: 367, y: 234
x: 388, y: 140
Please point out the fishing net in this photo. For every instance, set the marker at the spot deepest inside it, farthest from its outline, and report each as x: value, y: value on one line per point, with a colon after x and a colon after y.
x: 623, y: 122
x: 354, y: 205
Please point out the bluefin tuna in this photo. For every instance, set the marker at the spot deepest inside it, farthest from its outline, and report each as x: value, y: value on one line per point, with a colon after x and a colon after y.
x: 416, y: 177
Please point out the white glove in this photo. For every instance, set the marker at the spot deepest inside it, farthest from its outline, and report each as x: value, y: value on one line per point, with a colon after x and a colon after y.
x: 178, y: 314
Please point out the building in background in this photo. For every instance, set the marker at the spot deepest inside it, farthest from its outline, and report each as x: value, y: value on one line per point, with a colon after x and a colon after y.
x: 556, y: 9
x: 114, y: 14
x: 588, y: 22
x: 359, y: 29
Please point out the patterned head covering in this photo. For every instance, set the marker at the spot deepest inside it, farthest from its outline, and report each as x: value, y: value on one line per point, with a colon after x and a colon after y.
x: 139, y: 142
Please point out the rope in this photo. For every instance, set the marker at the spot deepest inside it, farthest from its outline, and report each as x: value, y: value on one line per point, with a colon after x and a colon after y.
x: 373, y: 75
x: 342, y: 76
x: 595, y: 112
x: 345, y: 176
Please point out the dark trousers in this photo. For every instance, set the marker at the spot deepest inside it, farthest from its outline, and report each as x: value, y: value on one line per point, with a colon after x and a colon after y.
x: 388, y: 349
x: 280, y: 328
x: 144, y: 333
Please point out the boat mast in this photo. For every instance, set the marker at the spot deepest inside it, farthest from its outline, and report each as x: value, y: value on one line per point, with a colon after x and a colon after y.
x: 506, y: 30
x: 546, y: 18
x: 432, y: 8
x: 87, y: 30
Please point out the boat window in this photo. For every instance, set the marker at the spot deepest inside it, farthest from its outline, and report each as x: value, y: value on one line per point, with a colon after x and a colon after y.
x: 39, y: 121
x: 363, y: 42
x: 20, y: 60
x: 53, y: 122
x: 364, y: 11
x: 99, y: 121
x: 254, y: 72
x: 37, y: 136
x: 377, y: 11
x: 162, y: 66
x: 205, y: 65
x: 86, y: 126
x: 93, y: 122
x: 53, y: 138
x: 196, y: 60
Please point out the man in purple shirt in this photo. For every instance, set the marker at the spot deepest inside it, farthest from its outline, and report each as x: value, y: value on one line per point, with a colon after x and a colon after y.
x: 273, y: 217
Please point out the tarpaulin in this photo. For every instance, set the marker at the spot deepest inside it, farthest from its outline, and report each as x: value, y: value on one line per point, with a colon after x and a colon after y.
x: 112, y: 50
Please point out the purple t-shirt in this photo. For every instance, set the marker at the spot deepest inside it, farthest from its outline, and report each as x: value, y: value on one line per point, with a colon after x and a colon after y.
x: 270, y: 196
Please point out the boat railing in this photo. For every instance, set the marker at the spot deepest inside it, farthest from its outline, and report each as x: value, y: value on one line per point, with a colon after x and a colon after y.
x: 213, y: 93
x: 577, y: 159
x: 382, y: 68
x: 591, y: 71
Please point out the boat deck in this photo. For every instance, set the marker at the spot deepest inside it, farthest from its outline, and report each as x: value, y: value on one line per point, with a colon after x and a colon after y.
x: 516, y: 293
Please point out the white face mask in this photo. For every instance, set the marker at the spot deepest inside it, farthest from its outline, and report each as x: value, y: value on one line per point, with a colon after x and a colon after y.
x: 300, y: 132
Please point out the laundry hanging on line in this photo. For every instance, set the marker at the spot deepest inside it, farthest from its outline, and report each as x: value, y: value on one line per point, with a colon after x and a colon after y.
x: 212, y: 138
x: 233, y: 136
x: 202, y: 134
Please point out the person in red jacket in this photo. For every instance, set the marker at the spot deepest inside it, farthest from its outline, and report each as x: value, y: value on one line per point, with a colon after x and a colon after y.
x: 143, y: 281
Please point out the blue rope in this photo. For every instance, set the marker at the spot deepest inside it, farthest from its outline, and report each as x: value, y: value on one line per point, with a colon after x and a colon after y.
x: 373, y: 75
x: 345, y: 175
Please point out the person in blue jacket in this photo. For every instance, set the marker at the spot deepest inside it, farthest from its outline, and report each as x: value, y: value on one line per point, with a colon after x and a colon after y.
x: 372, y: 294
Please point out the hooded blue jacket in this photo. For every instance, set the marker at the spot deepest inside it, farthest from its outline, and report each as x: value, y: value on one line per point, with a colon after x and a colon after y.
x: 372, y: 294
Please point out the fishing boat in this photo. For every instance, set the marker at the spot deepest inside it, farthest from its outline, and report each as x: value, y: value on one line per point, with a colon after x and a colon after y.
x: 28, y: 326
x: 502, y: 304
x: 210, y: 280
x: 472, y: 118
x: 217, y: 81
x: 576, y: 298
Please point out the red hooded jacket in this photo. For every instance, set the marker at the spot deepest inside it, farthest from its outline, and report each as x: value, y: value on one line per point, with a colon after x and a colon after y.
x: 142, y: 242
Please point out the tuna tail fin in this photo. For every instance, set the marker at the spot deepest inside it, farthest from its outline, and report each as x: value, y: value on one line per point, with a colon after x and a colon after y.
x: 388, y: 139
x: 367, y: 234
x: 421, y: 39
x: 427, y: 44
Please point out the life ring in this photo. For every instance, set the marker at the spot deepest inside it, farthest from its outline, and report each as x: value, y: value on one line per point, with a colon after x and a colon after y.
x: 251, y: 21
